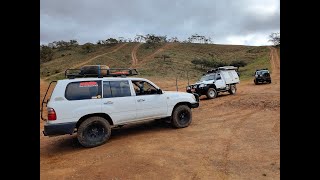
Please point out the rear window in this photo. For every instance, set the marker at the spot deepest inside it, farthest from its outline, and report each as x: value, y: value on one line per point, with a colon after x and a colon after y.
x: 83, y: 90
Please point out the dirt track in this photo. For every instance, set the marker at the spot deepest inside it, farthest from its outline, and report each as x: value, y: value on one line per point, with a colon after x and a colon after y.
x: 134, y: 55
x: 161, y: 49
x: 231, y: 137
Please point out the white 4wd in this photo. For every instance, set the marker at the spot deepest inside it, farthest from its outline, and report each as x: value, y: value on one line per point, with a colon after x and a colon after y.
x: 222, y: 79
x: 92, y: 106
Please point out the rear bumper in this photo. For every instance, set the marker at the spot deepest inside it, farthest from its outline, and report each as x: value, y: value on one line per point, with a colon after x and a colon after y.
x: 59, y: 129
x: 194, y: 105
x: 262, y: 79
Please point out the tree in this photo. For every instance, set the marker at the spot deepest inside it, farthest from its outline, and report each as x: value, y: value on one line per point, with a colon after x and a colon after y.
x: 121, y: 39
x: 173, y: 39
x: 275, y: 38
x: 46, y: 53
x: 139, y: 38
x: 73, y: 42
x: 88, y: 47
x: 111, y: 41
x: 63, y: 45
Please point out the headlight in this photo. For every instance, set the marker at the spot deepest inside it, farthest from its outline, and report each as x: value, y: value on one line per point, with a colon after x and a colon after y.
x: 188, y: 88
x: 202, y: 85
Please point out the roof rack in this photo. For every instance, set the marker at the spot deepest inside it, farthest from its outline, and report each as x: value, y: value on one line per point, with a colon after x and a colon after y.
x: 111, y: 72
x: 222, y: 68
x: 261, y: 69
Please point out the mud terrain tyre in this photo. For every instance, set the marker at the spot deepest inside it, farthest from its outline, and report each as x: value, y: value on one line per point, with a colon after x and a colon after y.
x: 233, y: 89
x: 94, y: 131
x: 181, y: 116
x: 211, y: 93
x: 255, y: 82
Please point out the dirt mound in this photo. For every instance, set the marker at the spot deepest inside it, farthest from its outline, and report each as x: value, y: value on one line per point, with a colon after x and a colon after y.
x: 255, y: 101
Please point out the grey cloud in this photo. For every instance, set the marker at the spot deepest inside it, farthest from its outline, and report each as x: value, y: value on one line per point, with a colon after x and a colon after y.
x: 91, y: 20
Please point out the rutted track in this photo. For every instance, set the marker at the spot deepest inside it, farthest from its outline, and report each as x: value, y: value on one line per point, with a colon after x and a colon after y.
x: 231, y: 137
x: 134, y: 55
x: 161, y: 49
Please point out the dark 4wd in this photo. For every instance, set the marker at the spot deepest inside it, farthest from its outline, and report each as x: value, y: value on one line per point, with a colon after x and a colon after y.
x: 262, y: 76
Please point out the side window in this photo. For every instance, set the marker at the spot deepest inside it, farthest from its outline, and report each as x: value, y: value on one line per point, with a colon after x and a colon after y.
x: 218, y: 77
x: 106, y: 89
x: 116, y: 89
x: 83, y: 90
x: 211, y: 77
x: 143, y: 88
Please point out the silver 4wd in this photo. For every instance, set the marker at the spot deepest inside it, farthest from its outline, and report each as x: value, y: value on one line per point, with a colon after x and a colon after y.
x: 92, y: 106
x: 222, y: 79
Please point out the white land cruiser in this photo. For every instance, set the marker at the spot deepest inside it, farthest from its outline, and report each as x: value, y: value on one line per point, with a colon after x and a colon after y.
x: 92, y: 106
x: 222, y: 79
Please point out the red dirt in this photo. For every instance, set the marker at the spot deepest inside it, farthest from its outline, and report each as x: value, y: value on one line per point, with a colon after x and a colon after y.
x: 231, y: 137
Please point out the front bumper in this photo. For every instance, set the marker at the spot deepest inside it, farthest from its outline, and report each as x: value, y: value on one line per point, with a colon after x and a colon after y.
x: 59, y: 129
x: 194, y: 105
x: 198, y: 90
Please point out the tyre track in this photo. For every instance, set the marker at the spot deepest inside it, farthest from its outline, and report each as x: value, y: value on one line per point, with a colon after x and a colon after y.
x: 134, y: 55
x: 166, y: 46
x: 236, y: 128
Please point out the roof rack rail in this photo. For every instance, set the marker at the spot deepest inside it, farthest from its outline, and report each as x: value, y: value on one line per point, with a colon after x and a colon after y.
x: 261, y: 69
x: 111, y: 72
x: 222, y: 68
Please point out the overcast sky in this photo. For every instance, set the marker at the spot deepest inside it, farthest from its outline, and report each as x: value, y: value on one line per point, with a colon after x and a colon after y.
x: 246, y: 22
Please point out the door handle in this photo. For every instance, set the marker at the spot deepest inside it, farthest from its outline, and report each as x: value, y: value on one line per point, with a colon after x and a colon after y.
x: 140, y: 100
x: 109, y: 102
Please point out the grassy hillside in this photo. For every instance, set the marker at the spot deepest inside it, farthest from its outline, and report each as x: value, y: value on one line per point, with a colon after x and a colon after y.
x: 67, y: 58
x: 119, y: 59
x: 181, y: 56
x: 178, y: 65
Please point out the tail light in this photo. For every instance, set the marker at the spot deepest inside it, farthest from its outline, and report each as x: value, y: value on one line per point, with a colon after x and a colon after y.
x: 51, y: 114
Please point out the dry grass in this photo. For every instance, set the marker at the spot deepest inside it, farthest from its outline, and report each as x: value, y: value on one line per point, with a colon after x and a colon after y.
x: 178, y: 65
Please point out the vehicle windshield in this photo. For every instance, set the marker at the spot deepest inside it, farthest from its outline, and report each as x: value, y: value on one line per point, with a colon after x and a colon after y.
x: 207, y: 77
x: 262, y: 72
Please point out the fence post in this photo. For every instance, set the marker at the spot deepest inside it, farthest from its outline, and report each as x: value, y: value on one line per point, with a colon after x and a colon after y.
x: 188, y: 77
x: 177, y: 83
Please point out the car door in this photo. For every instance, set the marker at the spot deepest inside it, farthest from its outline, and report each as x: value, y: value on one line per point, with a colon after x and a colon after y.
x: 150, y: 104
x: 118, y: 101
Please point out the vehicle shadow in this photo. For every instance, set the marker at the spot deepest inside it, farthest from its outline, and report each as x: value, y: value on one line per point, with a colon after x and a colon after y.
x: 139, y: 128
x: 68, y: 143
x: 204, y: 98
x: 264, y: 83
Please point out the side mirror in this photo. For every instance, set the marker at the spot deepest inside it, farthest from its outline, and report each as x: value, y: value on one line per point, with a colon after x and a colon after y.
x: 159, y: 91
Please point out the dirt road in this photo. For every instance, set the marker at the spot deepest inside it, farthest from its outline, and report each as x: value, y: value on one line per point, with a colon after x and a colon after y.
x: 161, y: 49
x: 134, y: 55
x: 231, y: 137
